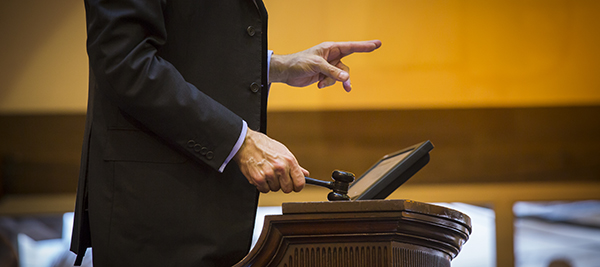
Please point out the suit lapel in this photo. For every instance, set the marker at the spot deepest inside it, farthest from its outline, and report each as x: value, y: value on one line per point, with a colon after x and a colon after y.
x: 261, y: 8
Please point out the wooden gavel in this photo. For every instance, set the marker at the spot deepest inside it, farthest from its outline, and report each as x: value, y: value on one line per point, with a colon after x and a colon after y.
x: 340, y: 184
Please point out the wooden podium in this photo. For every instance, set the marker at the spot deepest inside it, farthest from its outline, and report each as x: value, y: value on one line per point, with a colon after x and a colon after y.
x: 369, y: 233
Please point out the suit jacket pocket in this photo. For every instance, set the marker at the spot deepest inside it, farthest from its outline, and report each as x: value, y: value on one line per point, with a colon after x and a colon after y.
x: 139, y: 146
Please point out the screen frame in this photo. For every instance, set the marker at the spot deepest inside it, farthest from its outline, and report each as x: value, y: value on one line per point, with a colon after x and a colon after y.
x: 388, y: 182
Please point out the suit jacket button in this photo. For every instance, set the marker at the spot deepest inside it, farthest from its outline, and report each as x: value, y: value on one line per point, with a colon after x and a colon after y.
x: 251, y: 31
x: 209, y: 155
x: 203, y: 151
x: 254, y: 87
x: 191, y: 143
x: 197, y: 147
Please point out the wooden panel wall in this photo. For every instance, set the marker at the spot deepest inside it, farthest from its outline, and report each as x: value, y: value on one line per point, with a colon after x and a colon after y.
x: 40, y: 153
x: 471, y: 145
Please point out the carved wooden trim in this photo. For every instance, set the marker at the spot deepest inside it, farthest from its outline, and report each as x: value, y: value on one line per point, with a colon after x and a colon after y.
x: 392, y: 233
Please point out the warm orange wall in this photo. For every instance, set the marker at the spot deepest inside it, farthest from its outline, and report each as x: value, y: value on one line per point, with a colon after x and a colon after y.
x: 454, y: 53
x: 43, y: 63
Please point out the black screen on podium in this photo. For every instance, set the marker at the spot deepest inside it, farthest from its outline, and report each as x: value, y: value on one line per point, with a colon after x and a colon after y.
x: 390, y: 172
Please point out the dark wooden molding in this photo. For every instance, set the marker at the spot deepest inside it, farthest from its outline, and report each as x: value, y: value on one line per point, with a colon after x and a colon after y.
x: 40, y: 153
x: 360, y: 233
x: 487, y: 145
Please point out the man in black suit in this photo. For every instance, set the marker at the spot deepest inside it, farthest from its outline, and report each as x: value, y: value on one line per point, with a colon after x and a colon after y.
x: 178, y: 90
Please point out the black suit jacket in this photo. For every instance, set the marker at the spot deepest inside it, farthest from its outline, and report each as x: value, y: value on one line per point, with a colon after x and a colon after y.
x: 170, y: 82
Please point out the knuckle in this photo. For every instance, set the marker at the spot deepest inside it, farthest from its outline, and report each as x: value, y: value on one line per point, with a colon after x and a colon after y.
x: 269, y: 174
x: 326, y: 44
x: 279, y: 166
x: 289, y: 159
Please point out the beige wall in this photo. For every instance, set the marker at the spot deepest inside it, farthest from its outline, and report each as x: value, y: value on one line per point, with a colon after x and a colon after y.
x: 43, y: 67
x: 454, y: 53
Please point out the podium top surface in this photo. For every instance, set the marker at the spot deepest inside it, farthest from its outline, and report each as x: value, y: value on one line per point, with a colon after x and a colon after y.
x: 369, y: 206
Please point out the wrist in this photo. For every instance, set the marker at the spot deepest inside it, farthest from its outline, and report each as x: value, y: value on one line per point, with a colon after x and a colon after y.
x: 248, y: 145
x: 277, y: 68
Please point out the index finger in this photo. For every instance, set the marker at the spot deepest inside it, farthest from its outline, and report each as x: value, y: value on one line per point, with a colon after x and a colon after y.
x: 347, y: 48
x: 297, y: 176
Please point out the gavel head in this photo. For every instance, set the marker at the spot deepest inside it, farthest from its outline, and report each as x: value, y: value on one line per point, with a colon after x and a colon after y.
x: 341, y: 182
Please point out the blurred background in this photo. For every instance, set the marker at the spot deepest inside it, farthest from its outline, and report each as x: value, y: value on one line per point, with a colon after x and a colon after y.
x: 508, y: 92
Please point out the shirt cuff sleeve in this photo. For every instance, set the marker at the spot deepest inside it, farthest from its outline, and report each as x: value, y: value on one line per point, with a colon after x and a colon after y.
x: 237, y: 145
x: 269, y: 55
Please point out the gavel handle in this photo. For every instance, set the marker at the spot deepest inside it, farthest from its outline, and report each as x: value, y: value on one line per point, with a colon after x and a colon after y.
x: 314, y: 181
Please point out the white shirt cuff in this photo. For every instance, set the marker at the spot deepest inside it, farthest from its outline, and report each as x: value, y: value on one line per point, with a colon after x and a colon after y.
x: 237, y: 145
x: 270, y: 54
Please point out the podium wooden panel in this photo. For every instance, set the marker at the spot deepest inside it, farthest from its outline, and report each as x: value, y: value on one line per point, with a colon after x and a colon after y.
x: 373, y: 233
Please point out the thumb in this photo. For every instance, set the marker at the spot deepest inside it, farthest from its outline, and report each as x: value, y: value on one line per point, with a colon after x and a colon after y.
x: 333, y: 71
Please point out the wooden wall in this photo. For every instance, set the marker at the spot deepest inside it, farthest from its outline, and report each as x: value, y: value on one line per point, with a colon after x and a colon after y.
x: 471, y: 145
x: 40, y: 153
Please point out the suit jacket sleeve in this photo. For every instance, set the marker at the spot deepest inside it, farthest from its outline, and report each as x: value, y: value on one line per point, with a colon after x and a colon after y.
x: 124, y: 38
